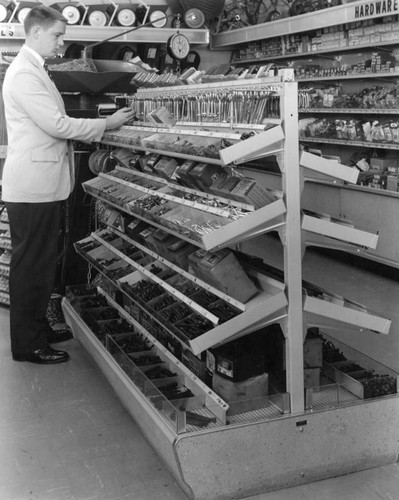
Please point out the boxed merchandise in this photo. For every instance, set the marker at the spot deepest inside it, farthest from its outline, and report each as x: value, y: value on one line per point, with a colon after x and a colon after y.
x: 193, y: 262
x: 179, y: 251
x: 161, y: 239
x: 160, y: 116
x: 240, y: 359
x: 203, y: 173
x: 182, y: 174
x: 223, y: 271
x: 247, y: 190
x: 383, y: 164
x: 166, y: 167
x: 312, y: 378
x: 147, y: 163
x: 392, y: 182
x: 147, y: 238
x: 247, y: 395
x: 223, y: 185
x: 313, y: 353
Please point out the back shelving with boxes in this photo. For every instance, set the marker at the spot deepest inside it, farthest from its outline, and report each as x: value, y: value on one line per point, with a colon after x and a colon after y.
x: 175, y: 289
x: 347, y: 70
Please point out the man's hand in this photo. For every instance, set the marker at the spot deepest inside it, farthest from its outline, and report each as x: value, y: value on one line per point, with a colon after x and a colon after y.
x: 119, y: 118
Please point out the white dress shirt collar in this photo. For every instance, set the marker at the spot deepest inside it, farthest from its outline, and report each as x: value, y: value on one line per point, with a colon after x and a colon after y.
x: 34, y: 53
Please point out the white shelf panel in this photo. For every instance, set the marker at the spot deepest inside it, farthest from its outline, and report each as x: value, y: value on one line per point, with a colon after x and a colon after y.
x: 317, y: 240
x: 329, y: 167
x: 268, y: 303
x: 93, y: 34
x: 258, y: 145
x: 333, y: 313
x: 339, y: 231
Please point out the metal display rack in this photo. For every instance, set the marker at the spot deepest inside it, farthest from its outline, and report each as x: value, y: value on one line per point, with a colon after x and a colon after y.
x: 202, y: 460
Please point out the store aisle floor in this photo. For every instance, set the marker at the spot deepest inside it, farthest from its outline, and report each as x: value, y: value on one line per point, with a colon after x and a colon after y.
x: 66, y: 436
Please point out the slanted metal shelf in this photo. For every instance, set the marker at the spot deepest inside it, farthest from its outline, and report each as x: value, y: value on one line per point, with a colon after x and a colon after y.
x: 263, y: 309
x: 329, y: 167
x: 111, y: 367
x: 182, y: 272
x: 211, y: 400
x: 168, y: 288
x: 326, y: 309
x: 264, y: 143
x: 332, y: 310
x: 338, y: 229
x: 260, y: 221
x: 222, y: 212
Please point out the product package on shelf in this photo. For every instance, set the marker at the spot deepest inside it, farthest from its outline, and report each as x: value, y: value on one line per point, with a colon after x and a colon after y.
x: 223, y: 271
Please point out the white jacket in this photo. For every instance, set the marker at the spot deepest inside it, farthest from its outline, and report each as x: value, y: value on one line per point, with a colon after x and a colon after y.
x: 39, y: 164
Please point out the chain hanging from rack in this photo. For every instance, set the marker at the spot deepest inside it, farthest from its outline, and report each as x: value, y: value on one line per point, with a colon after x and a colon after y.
x: 238, y: 105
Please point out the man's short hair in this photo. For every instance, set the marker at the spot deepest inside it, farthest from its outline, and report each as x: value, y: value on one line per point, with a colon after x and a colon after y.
x: 42, y: 16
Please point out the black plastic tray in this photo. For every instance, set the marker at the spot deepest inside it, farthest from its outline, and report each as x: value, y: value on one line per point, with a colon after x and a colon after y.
x: 111, y: 76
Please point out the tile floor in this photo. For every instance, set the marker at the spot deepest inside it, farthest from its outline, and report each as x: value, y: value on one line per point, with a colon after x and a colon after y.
x: 65, y: 435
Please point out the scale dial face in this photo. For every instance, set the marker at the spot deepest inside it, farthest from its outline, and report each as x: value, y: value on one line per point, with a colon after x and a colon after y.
x: 178, y: 46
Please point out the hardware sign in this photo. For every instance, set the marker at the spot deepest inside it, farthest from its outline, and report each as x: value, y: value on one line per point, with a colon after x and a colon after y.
x: 376, y: 8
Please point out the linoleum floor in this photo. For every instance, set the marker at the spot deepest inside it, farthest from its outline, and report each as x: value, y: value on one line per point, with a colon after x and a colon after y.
x: 66, y: 436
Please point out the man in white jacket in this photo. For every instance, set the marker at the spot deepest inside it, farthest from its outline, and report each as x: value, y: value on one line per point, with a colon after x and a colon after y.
x: 38, y: 175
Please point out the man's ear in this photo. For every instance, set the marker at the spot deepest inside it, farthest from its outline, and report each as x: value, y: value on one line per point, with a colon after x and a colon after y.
x: 35, y: 31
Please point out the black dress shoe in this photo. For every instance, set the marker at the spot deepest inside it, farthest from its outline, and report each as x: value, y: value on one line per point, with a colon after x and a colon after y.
x: 45, y: 356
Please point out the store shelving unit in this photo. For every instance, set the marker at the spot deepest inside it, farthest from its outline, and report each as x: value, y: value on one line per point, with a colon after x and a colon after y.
x: 202, y: 460
x: 341, y: 14
x: 292, y: 41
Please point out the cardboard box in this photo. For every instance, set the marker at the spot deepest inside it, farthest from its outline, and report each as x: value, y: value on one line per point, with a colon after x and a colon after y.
x: 382, y: 164
x: 223, y: 271
x: 311, y: 378
x: 250, y: 394
x: 313, y: 353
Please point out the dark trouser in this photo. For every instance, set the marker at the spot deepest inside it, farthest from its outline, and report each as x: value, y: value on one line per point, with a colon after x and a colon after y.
x: 34, y: 239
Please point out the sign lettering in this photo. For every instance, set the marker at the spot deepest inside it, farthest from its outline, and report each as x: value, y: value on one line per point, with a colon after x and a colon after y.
x: 376, y: 8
